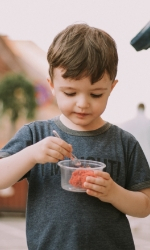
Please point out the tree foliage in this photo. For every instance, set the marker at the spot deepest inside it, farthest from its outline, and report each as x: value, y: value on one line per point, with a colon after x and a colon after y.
x: 17, y: 97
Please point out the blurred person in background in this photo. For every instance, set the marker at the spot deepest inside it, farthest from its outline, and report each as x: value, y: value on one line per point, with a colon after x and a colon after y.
x: 140, y: 128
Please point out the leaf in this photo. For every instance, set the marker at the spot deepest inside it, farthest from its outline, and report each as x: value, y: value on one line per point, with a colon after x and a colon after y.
x: 17, y: 97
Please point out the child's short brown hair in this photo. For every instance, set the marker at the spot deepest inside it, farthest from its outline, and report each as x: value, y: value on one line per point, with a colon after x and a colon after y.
x: 83, y: 51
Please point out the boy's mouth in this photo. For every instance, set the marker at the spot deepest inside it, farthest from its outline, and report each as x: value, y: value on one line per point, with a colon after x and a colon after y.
x: 81, y: 114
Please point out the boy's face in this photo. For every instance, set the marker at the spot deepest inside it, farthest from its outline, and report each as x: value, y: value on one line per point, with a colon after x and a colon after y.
x: 80, y: 102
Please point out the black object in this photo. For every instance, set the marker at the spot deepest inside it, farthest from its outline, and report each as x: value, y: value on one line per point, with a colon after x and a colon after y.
x: 142, y: 39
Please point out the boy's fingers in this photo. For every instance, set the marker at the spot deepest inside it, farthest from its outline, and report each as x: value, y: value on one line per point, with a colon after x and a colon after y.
x: 102, y: 174
x: 61, y: 148
x: 62, y: 144
x: 55, y: 155
x: 98, y: 181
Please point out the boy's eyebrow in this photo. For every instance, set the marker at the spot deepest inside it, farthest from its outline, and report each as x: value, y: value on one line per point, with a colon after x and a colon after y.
x: 100, y: 89
x: 66, y: 87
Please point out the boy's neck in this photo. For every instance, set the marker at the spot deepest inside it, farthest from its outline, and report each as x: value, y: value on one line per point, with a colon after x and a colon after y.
x: 69, y: 124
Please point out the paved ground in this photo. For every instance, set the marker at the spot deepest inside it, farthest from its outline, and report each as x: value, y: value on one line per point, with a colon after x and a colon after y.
x: 12, y: 232
x: 141, y: 232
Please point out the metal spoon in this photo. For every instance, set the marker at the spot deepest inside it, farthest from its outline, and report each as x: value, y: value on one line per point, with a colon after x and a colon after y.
x: 73, y: 157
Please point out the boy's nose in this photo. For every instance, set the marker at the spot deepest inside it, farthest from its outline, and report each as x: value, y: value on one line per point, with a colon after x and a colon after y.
x: 83, y: 103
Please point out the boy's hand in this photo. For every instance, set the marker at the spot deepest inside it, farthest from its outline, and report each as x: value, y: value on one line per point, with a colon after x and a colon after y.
x: 50, y: 149
x: 102, y: 186
x: 133, y: 203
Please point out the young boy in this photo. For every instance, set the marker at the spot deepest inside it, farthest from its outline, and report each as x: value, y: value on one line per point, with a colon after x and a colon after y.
x: 82, y: 66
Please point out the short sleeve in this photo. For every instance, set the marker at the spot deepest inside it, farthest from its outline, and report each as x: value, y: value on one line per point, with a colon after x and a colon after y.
x: 21, y: 140
x: 138, y: 173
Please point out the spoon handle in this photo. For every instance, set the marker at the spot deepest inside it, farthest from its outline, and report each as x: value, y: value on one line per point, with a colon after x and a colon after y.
x: 56, y: 134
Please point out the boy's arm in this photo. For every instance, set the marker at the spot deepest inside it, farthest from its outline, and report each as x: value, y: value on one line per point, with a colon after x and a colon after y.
x: 133, y: 203
x: 14, y: 167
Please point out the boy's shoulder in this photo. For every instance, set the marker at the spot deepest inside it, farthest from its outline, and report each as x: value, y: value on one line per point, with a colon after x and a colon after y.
x: 122, y: 134
x: 122, y: 130
x: 34, y: 131
x: 40, y: 123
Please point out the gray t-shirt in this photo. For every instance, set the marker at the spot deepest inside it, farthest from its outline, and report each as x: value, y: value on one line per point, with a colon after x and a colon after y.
x: 61, y: 220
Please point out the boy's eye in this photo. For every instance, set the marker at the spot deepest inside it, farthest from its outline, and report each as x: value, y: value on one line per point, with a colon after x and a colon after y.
x: 96, y: 96
x: 69, y: 94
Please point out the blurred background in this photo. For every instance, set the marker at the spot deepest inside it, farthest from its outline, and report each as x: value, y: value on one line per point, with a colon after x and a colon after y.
x: 27, y: 29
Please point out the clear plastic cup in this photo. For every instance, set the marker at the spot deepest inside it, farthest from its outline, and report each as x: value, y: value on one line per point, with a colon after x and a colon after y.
x: 73, y: 177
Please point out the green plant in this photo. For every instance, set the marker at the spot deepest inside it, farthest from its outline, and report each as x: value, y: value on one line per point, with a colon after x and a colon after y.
x: 17, y: 97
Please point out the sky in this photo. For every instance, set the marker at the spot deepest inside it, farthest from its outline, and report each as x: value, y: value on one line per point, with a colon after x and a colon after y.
x: 40, y: 21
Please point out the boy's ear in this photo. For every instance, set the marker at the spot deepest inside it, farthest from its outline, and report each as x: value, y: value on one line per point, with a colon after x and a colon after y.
x: 51, y: 86
x: 114, y: 84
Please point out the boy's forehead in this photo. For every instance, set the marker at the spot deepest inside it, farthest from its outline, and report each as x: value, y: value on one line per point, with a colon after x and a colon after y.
x: 58, y: 76
x: 58, y: 72
x: 72, y: 83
